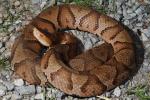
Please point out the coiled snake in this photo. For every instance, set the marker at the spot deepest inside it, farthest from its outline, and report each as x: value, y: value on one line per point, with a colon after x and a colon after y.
x: 88, y: 74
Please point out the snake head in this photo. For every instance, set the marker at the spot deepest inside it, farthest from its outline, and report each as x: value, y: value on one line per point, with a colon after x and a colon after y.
x: 42, y: 38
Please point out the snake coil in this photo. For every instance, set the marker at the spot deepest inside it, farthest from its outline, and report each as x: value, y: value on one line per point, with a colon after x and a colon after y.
x: 91, y: 73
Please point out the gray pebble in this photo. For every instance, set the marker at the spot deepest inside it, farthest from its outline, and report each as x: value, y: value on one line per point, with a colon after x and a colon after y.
x: 17, y: 3
x: 130, y: 10
x: 126, y: 22
x: 139, y: 24
x: 9, y: 85
x: 35, y: 1
x: 25, y: 89
x: 39, y: 96
x: 138, y: 11
x: 1, y: 21
x: 7, y: 97
x: 2, y: 49
x: 3, y: 90
x: 130, y: 16
x: 6, y: 38
x: 38, y: 89
x: 16, y: 96
x: 18, y: 82
x: 1, y: 44
x: 117, y: 92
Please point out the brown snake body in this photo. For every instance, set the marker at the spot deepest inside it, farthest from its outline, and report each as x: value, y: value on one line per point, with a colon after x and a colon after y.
x: 89, y: 74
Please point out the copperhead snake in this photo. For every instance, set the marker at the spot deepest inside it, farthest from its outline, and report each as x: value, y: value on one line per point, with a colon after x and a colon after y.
x: 87, y: 74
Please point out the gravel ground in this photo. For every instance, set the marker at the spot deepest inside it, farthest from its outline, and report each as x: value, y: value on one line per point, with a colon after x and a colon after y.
x: 15, y: 14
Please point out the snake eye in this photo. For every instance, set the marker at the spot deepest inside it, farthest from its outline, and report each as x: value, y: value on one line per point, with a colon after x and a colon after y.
x: 46, y: 32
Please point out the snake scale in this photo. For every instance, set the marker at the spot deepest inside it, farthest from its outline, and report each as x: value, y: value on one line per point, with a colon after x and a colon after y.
x: 91, y: 73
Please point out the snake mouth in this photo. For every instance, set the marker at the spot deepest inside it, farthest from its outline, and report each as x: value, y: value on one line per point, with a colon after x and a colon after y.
x: 43, y: 39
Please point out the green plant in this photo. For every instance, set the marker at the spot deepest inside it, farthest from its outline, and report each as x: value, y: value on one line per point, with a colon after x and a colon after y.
x: 141, y: 91
x: 3, y: 63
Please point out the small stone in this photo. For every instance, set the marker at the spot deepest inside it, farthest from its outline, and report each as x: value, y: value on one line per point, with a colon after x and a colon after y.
x: 35, y: 1
x: 9, y: 85
x: 144, y: 37
x: 52, y: 2
x: 140, y: 17
x: 138, y: 11
x: 118, y: 16
x: 139, y: 24
x: 129, y: 11
x: 117, y: 92
x: 7, y: 97
x: 12, y: 11
x: 16, y: 96
x: 43, y: 4
x: 38, y: 89
x: 130, y: 16
x: 17, y: 3
x: 11, y: 28
x: 124, y: 10
x: 39, y: 96
x: 3, y: 90
x: 24, y: 90
x: 126, y: 22
x: 19, y: 82
x: 49, y: 94
x: 1, y: 44
x: 6, y: 38
x: 1, y: 21
x: 2, y: 49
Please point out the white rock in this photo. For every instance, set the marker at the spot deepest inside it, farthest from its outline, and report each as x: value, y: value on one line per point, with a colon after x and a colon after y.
x: 129, y: 11
x: 124, y: 10
x: 3, y: 90
x: 1, y: 44
x: 2, y: 49
x: 49, y: 94
x: 39, y: 96
x: 1, y: 21
x: 52, y: 2
x: 7, y: 97
x: 139, y: 24
x: 43, y: 4
x: 5, y: 38
x: 17, y: 3
x: 9, y: 85
x: 138, y: 11
x: 11, y: 28
x: 19, y: 82
x: 38, y: 89
x: 24, y: 90
x: 35, y: 1
x: 16, y: 96
x: 117, y: 92
x: 130, y: 16
x: 144, y: 37
x: 140, y: 17
x: 133, y: 1
x: 117, y: 17
x: 126, y: 22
